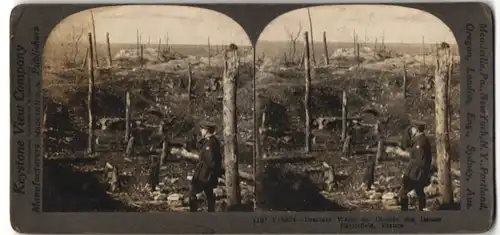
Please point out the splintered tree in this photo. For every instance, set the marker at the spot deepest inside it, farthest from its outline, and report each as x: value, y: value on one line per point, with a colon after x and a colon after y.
x: 94, y: 40
x: 293, y: 42
x: 110, y: 60
x: 325, y: 48
x: 443, y: 67
x: 90, y: 100
x: 312, y: 39
x: 230, y: 76
x: 307, y: 97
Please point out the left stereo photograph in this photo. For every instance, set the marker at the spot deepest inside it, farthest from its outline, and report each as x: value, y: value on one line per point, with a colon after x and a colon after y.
x: 144, y: 109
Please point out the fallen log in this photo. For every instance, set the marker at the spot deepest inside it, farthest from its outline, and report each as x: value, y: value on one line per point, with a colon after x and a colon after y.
x: 289, y: 159
x: 182, y: 152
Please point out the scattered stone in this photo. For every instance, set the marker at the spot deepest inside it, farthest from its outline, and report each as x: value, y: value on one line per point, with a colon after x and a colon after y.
x: 219, y: 192
x: 174, y: 197
x: 189, y: 177
x: 160, y: 197
x: 127, y: 159
x: 376, y: 196
x: 389, y: 196
x: 390, y: 202
x: 201, y: 196
x: 173, y: 180
x: 431, y: 191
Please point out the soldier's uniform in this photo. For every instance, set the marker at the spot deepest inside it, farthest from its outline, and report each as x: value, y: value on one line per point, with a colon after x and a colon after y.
x: 207, y: 171
x: 417, y: 174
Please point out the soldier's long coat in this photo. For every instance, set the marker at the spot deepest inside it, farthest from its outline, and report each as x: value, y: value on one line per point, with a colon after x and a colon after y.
x: 420, y: 160
x: 209, y: 167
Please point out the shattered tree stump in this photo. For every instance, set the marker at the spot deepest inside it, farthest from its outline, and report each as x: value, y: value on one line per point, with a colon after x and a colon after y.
x: 307, y: 97
x: 110, y: 61
x: 90, y: 99
x: 230, y: 76
x: 130, y: 147
x: 442, y: 72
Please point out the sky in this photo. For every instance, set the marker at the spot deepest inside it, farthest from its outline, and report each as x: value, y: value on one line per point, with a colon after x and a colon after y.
x: 189, y: 25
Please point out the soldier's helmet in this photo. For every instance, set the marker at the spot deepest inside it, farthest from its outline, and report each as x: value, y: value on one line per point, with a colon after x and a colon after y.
x: 209, y: 126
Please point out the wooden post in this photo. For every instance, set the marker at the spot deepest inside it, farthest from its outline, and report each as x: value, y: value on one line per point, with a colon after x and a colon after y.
x: 142, y: 56
x: 130, y: 147
x: 230, y: 76
x: 110, y: 62
x: 404, y: 80
x: 450, y: 114
x: 258, y: 166
x: 86, y: 58
x: 159, y: 49
x: 383, y: 41
x: 90, y: 100
x: 127, y: 116
x: 358, y: 58
x: 344, y: 115
x: 325, y: 45
x: 95, y: 41
x: 423, y: 51
x: 355, y: 43
x: 209, y: 52
x: 380, y: 145
x: 346, y: 148
x: 443, y: 64
x: 164, y: 152
x: 138, y: 44
x: 190, y: 79
x: 312, y: 39
x: 307, y: 93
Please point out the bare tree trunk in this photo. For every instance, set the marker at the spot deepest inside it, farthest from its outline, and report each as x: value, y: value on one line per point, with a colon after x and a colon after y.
x: 258, y: 168
x: 443, y: 64
x: 90, y: 100
x: 130, y: 147
x: 380, y: 145
x: 312, y: 39
x: 86, y: 58
x: 110, y: 62
x: 383, y: 41
x: 209, y: 52
x: 141, y: 59
x: 159, y: 49
x: 423, y: 50
x: 325, y: 45
x: 307, y: 93
x: 404, y: 81
x: 164, y: 152
x: 190, y: 78
x: 127, y: 116
x: 95, y: 41
x: 450, y: 113
x: 231, y: 70
x: 138, y: 44
x: 344, y: 115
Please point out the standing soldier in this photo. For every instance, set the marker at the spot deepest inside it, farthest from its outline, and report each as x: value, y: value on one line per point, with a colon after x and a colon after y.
x: 208, y: 169
x: 417, y: 174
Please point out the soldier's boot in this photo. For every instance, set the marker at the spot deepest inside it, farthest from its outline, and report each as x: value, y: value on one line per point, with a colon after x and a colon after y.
x: 211, y: 202
x: 193, y: 205
x: 403, y: 198
x: 404, y: 203
x: 421, y: 199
